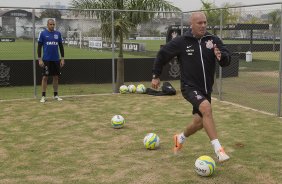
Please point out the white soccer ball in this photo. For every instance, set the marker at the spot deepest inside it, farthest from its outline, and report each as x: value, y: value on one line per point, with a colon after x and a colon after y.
x: 141, y: 88
x: 123, y: 89
x: 205, y: 166
x: 131, y: 88
x: 151, y: 141
x: 117, y: 121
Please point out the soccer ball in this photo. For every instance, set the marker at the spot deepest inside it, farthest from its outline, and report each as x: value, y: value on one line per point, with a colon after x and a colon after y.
x: 140, y: 88
x: 205, y: 166
x: 151, y: 141
x: 117, y: 121
x: 123, y: 89
x: 131, y: 88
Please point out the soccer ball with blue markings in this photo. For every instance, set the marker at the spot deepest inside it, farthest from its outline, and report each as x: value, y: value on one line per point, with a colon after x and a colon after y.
x: 151, y: 141
x: 123, y: 89
x: 205, y: 166
x: 140, y: 89
x: 117, y: 121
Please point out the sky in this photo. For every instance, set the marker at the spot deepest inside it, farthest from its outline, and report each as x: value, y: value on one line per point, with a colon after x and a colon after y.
x: 184, y: 5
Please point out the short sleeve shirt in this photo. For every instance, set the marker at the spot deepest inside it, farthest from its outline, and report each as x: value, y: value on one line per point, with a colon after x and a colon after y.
x: 50, y: 42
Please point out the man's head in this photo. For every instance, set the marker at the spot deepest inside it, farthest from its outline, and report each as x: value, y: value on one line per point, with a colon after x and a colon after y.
x: 198, y: 22
x: 51, y: 24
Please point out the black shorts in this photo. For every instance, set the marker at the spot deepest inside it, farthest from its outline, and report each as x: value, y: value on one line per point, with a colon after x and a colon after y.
x: 195, y: 97
x: 51, y: 68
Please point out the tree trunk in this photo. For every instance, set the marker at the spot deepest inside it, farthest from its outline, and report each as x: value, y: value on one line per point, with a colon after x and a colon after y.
x: 120, y: 65
x: 274, y: 39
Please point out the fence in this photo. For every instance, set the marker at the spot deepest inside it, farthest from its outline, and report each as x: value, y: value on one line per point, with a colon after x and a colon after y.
x: 92, y: 49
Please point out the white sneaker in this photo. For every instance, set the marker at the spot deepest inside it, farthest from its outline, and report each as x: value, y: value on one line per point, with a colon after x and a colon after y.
x: 43, y: 99
x: 221, y: 155
x: 57, y: 98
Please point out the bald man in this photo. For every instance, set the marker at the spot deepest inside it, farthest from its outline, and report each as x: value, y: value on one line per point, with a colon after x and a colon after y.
x: 197, y: 51
x: 51, y: 64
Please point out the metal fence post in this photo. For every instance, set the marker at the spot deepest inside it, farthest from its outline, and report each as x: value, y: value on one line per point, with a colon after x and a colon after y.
x: 182, y: 17
x: 220, y: 68
x: 113, y: 54
x: 34, y: 53
x: 280, y: 68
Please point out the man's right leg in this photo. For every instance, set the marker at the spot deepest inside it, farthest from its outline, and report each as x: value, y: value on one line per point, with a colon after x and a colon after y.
x: 197, y: 124
x: 44, y: 87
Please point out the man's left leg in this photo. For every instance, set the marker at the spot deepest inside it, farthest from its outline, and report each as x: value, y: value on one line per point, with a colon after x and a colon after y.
x: 209, y: 126
x: 55, y: 87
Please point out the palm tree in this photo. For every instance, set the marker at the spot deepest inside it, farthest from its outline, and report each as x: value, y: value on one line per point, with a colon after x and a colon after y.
x: 123, y: 21
x: 274, y: 19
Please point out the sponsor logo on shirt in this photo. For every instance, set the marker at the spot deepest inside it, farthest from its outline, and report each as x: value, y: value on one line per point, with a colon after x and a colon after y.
x: 189, y: 50
x: 51, y: 43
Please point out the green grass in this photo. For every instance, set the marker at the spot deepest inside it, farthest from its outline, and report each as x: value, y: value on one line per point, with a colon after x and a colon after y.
x: 265, y: 57
x: 73, y: 142
x: 9, y: 93
x: 272, y: 64
x: 23, y: 50
x: 256, y: 86
x: 248, y: 42
x: 150, y: 45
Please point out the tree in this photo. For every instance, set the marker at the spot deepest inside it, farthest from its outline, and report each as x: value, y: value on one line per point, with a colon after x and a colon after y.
x: 124, y: 22
x: 213, y: 14
x: 51, y: 13
x: 274, y: 19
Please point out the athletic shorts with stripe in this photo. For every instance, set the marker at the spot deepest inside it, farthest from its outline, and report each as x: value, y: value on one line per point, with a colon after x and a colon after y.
x: 195, y: 97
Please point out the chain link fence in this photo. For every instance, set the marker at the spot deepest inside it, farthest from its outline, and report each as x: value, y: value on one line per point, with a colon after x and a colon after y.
x: 92, y: 51
x: 253, y: 36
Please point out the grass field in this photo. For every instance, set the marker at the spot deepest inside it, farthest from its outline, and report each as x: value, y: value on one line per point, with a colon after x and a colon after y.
x: 73, y: 142
x: 23, y: 50
x: 256, y: 85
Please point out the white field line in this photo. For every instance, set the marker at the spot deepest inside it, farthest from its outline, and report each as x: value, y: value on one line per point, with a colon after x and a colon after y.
x: 245, y: 107
x: 104, y: 94
x: 66, y: 96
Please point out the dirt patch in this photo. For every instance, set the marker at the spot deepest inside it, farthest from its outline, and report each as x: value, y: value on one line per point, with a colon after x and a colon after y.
x: 239, y: 145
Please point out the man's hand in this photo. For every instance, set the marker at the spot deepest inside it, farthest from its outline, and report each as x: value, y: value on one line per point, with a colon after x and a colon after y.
x: 156, y: 83
x: 40, y: 62
x: 217, y: 52
x: 62, y: 63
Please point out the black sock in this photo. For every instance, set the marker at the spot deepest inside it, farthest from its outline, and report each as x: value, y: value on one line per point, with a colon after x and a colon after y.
x: 55, y: 93
x: 43, y: 93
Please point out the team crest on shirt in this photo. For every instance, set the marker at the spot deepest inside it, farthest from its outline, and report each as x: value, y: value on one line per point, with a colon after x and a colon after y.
x: 56, y: 36
x: 209, y: 44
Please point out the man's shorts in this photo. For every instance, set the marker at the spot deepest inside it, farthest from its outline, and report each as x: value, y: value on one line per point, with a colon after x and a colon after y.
x: 51, y: 68
x: 195, y: 97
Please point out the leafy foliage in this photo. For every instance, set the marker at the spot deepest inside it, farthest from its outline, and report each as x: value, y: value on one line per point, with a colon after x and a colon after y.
x: 213, y: 14
x: 51, y: 13
x: 111, y: 12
